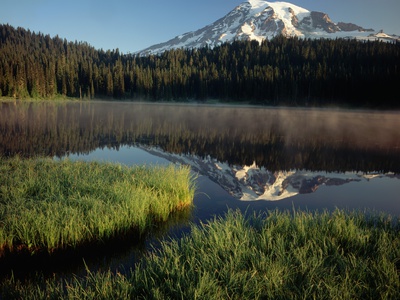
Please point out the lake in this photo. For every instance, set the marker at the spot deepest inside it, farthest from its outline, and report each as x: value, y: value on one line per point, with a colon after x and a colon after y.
x: 248, y: 158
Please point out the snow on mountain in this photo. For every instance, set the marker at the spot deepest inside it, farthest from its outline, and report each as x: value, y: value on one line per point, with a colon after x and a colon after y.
x: 259, y: 20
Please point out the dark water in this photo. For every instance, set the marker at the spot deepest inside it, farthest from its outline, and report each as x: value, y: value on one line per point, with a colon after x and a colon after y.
x: 249, y: 158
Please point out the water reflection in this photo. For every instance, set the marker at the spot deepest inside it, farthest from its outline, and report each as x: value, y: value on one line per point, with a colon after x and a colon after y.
x: 111, y: 254
x: 250, y: 183
x: 252, y: 153
x: 310, y: 159
x: 219, y: 187
x: 277, y: 139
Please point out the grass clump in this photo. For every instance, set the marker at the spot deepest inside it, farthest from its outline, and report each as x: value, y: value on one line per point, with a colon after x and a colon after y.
x: 277, y: 255
x: 49, y: 205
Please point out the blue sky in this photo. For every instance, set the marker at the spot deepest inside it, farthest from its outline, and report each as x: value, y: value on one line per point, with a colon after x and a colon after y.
x: 133, y: 25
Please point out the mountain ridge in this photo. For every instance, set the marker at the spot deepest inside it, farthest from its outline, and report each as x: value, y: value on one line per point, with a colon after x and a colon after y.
x: 260, y: 20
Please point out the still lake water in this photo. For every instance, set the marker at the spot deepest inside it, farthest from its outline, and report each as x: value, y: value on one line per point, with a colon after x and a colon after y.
x: 250, y: 158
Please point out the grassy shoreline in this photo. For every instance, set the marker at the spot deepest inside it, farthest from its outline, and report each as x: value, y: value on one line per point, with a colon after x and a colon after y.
x: 48, y: 205
x: 276, y: 255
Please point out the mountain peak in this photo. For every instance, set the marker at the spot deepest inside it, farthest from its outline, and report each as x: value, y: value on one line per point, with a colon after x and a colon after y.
x: 259, y: 20
x: 281, y: 5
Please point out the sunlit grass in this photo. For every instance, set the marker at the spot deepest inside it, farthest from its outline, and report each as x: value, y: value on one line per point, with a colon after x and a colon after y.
x: 277, y: 255
x: 48, y: 205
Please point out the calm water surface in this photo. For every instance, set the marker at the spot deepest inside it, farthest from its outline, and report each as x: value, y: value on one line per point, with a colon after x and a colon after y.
x: 249, y: 158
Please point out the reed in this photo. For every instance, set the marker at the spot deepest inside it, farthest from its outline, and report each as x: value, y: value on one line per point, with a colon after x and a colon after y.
x: 46, y: 205
x: 276, y: 255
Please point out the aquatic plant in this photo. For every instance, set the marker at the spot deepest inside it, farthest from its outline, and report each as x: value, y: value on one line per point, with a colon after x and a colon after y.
x: 46, y: 205
x: 274, y: 255
x: 278, y: 255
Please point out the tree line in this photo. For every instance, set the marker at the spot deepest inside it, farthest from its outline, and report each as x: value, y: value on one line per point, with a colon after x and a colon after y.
x: 281, y: 71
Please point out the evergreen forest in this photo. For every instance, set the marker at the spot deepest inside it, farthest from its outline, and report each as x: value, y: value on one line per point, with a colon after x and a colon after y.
x: 281, y: 71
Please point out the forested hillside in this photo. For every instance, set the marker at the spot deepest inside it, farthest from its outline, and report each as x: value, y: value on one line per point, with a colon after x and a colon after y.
x: 282, y: 71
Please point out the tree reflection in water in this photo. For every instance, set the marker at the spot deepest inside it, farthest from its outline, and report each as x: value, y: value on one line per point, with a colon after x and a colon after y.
x: 276, y: 138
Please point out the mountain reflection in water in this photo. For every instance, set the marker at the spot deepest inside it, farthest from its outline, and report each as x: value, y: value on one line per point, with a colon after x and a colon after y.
x: 250, y: 183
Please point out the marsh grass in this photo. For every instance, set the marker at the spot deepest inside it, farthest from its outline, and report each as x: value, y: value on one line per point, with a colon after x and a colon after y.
x: 46, y: 205
x: 277, y: 255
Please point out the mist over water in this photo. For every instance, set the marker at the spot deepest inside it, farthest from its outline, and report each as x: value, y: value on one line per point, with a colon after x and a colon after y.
x: 232, y: 134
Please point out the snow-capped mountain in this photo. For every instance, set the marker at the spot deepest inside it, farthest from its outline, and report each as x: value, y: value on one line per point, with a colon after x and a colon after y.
x: 260, y: 20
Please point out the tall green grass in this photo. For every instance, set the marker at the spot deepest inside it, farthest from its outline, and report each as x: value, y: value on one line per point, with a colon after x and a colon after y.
x: 305, y: 256
x: 277, y: 255
x: 48, y: 205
